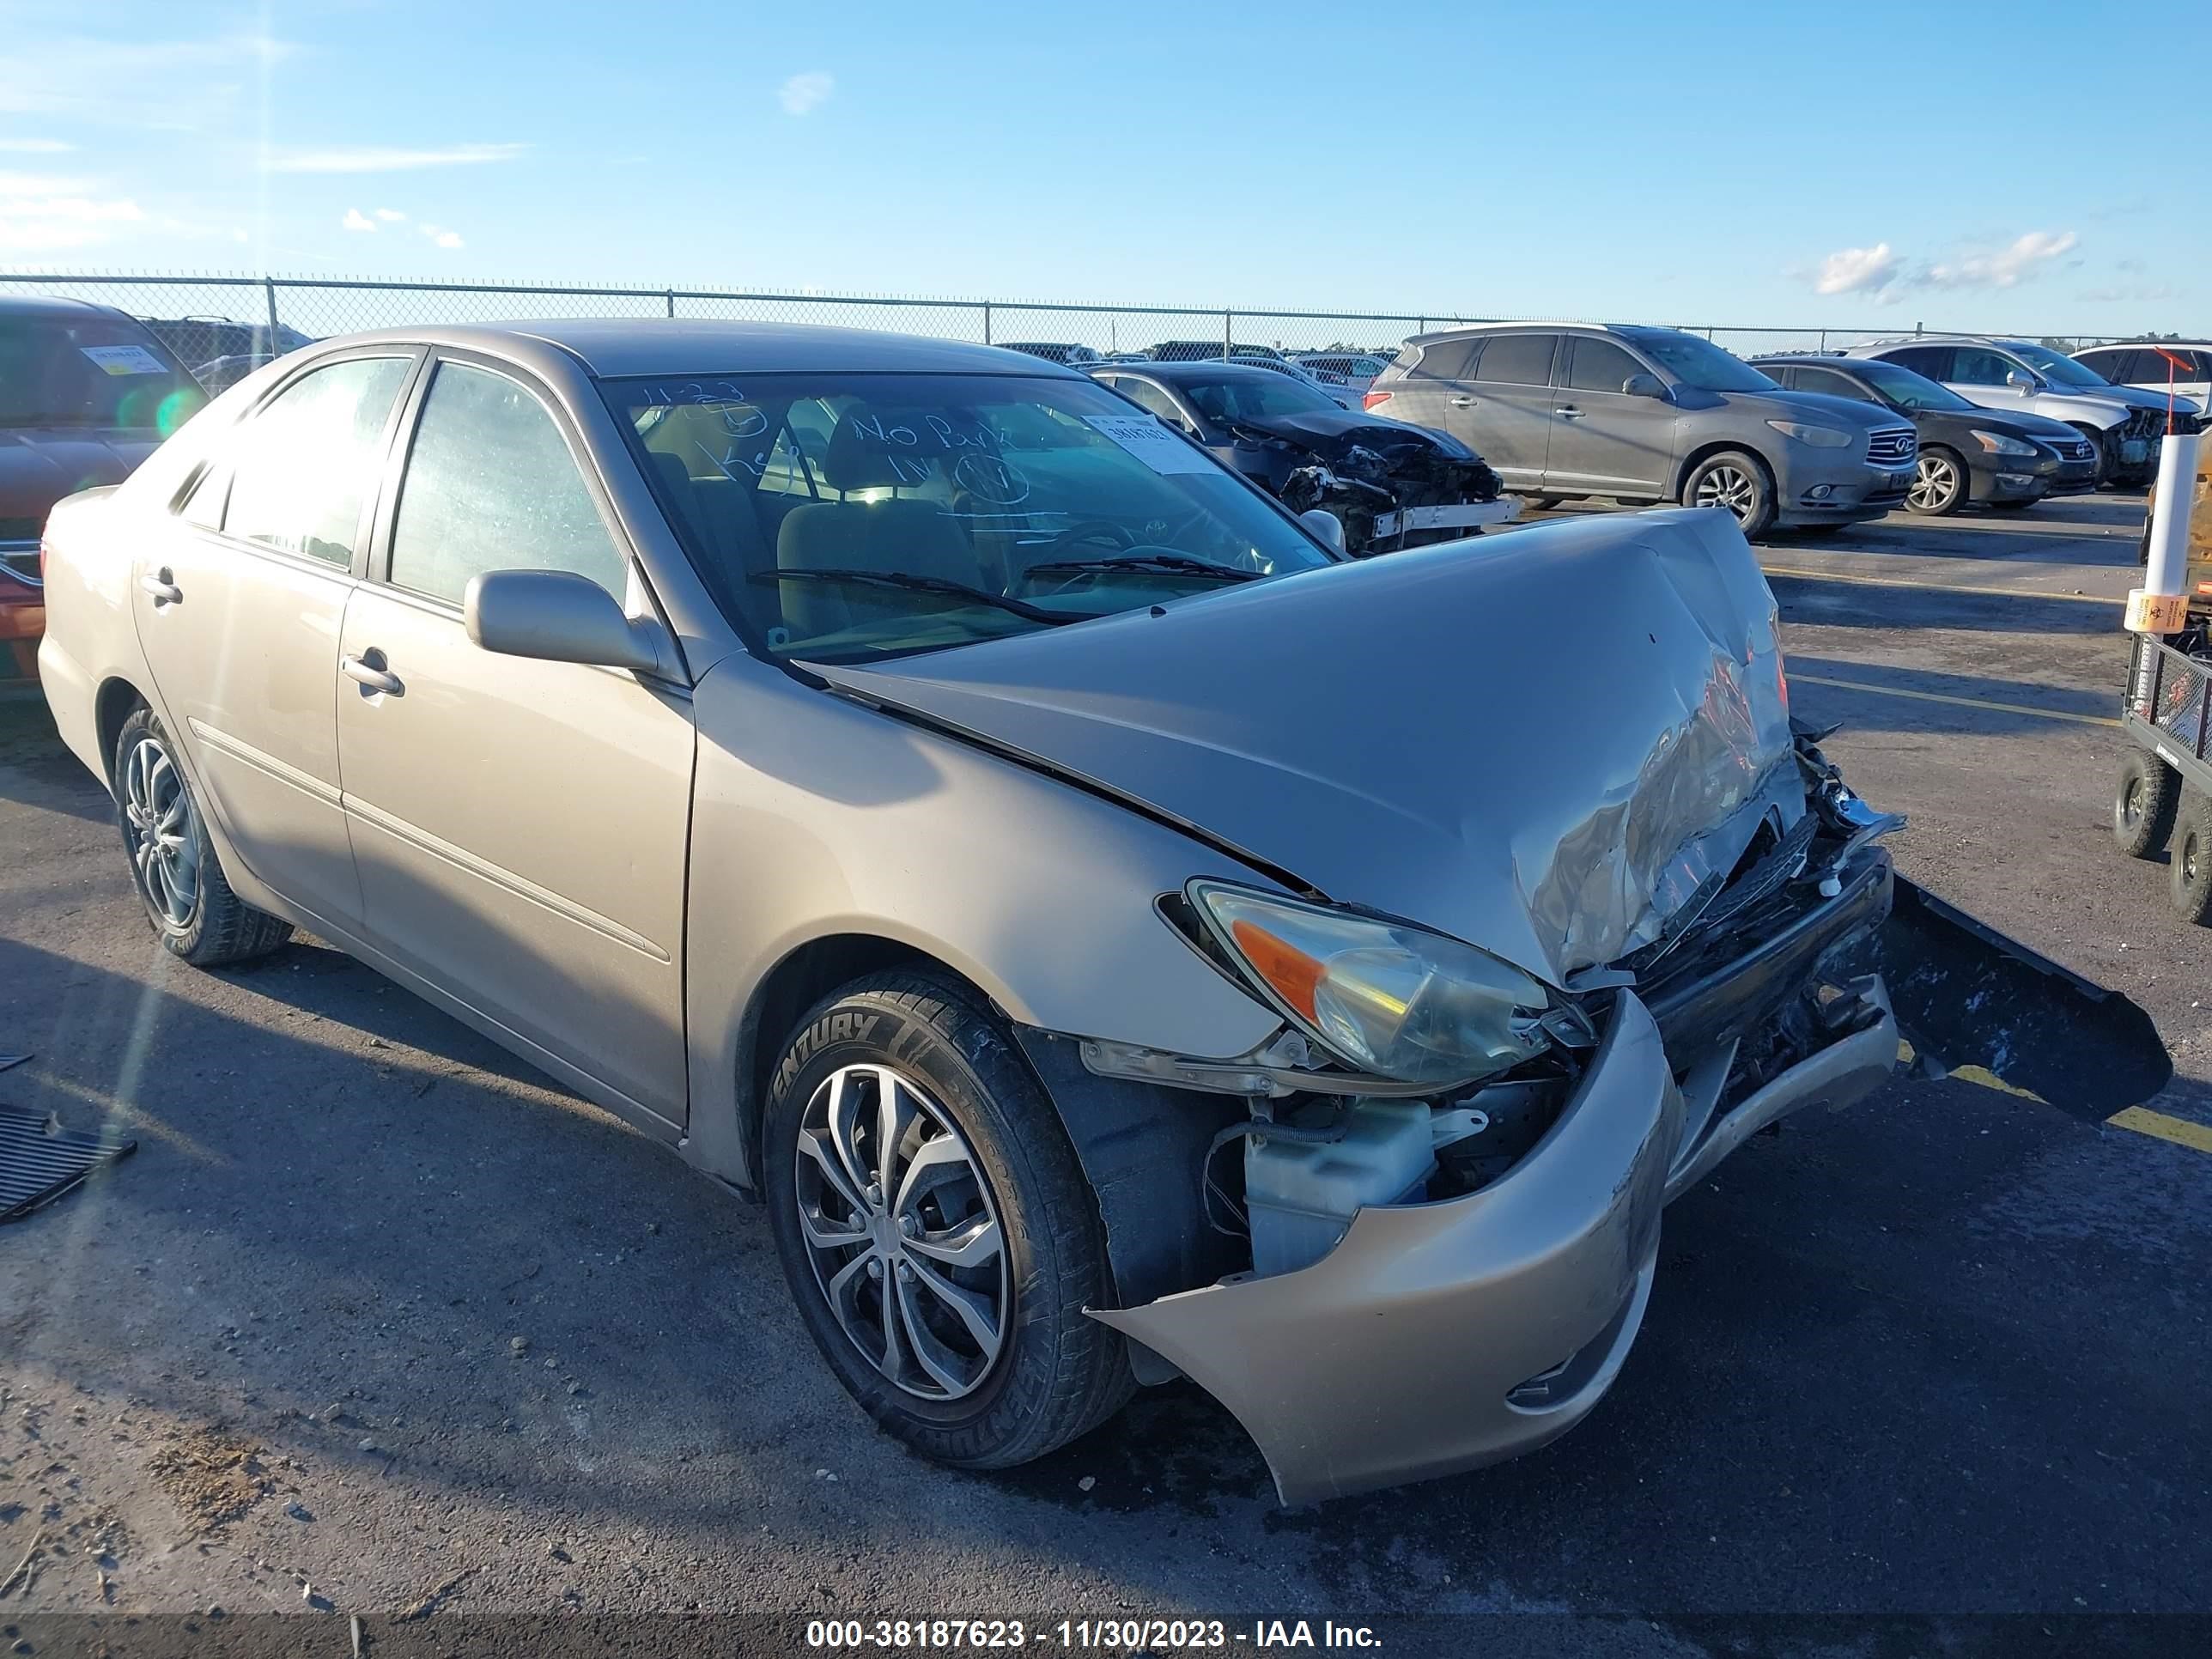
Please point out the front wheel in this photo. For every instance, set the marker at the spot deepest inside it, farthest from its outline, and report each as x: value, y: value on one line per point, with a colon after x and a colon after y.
x: 173, y: 864
x: 1737, y: 482
x: 1939, y: 484
x: 936, y: 1227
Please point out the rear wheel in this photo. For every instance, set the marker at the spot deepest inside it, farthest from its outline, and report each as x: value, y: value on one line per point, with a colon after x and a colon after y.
x: 936, y: 1227
x: 173, y: 864
x: 1737, y: 482
x: 2191, y: 871
x: 2144, y: 805
x: 1939, y: 483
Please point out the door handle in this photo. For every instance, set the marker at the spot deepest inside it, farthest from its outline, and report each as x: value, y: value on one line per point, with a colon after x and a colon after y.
x: 1462, y: 403
x: 1568, y: 412
x: 164, y: 591
x: 369, y: 670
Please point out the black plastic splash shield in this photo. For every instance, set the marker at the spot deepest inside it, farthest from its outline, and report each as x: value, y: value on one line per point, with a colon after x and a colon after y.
x: 1968, y: 996
x: 37, y: 1167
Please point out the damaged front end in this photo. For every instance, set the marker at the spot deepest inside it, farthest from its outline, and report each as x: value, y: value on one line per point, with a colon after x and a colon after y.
x: 1411, y: 1230
x: 1390, y: 486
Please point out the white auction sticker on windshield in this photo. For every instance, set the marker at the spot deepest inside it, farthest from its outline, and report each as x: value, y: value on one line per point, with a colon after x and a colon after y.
x: 126, y: 360
x: 1143, y: 436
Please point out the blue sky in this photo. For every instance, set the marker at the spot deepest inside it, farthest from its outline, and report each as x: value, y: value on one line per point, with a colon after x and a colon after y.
x: 2016, y: 167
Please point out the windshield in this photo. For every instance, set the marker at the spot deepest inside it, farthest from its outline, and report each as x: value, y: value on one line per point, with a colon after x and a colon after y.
x: 1697, y: 363
x: 2056, y: 365
x: 91, y: 371
x: 850, y: 518
x: 1907, y: 390
x: 1254, y: 396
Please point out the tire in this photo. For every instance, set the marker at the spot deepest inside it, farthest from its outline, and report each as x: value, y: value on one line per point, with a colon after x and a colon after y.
x: 1940, y: 483
x: 1056, y: 1373
x: 1541, y: 503
x: 2190, y: 871
x: 1738, y: 482
x: 2143, y: 804
x: 173, y: 865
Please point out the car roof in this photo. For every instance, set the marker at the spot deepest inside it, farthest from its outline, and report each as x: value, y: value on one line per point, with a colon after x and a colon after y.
x: 1186, y: 368
x: 1467, y: 330
x: 44, y: 305
x: 611, y: 347
x: 2147, y: 345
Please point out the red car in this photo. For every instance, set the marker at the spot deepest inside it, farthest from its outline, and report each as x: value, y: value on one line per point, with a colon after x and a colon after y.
x: 85, y: 392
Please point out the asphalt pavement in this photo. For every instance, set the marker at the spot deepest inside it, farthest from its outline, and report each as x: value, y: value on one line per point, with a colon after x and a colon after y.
x: 378, y: 1323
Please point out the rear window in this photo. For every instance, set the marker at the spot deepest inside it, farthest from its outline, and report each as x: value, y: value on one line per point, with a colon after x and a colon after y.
x: 1516, y: 360
x: 93, y: 371
x: 1440, y: 359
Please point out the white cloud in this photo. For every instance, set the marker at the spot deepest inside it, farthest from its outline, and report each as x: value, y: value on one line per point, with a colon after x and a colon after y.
x: 2007, y: 266
x: 39, y: 213
x: 392, y: 215
x: 356, y: 220
x: 806, y: 91
x: 1849, y: 270
x: 2144, y: 295
x: 438, y: 235
x: 382, y: 158
x: 129, y: 82
x: 1886, y: 276
x: 34, y: 146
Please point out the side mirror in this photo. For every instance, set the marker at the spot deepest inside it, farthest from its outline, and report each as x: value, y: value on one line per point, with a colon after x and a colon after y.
x: 558, y: 615
x: 1325, y: 525
x: 2022, y: 382
x: 1644, y: 385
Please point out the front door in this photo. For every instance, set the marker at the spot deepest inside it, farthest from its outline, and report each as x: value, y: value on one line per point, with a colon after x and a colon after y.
x: 240, y: 599
x: 1605, y: 442
x: 520, y: 827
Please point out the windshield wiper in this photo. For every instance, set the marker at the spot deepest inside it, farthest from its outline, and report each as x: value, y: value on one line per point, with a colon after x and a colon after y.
x: 1177, y: 563
x: 925, y: 584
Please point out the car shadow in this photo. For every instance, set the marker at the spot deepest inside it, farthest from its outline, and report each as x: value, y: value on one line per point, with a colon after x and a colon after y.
x: 1885, y: 696
x: 1808, y: 599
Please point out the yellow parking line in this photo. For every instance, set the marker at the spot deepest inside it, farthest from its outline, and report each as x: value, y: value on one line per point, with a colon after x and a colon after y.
x: 1962, y: 702
x: 1936, y: 587
x: 2178, y: 1130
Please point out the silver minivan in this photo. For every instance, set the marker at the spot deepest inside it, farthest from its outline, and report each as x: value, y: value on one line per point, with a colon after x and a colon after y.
x: 1648, y: 415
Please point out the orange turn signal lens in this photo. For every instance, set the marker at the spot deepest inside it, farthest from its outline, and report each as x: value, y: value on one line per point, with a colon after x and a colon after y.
x: 1294, y: 975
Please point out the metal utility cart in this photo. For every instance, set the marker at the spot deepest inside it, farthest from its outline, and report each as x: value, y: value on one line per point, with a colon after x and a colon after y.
x: 2165, y: 793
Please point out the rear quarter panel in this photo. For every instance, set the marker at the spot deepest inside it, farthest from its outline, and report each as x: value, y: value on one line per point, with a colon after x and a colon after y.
x: 91, y: 637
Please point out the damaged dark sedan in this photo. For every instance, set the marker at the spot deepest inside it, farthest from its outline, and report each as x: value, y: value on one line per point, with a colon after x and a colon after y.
x: 1115, y: 934
x: 1389, y: 485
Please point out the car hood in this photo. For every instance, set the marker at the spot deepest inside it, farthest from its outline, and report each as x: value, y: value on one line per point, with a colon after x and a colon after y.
x: 1333, y: 433
x: 2134, y: 396
x: 1852, y: 412
x: 2011, y: 423
x: 1540, y: 744
x: 38, y: 465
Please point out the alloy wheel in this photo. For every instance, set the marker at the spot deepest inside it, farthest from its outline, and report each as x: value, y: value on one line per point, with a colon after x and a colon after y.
x: 902, y: 1233
x: 163, y: 839
x: 1935, y: 484
x: 1730, y: 487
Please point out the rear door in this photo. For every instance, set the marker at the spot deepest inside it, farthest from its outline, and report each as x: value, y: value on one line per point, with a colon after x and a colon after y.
x: 1604, y: 442
x: 1509, y: 403
x: 520, y: 827
x: 239, y: 604
x: 1434, y: 392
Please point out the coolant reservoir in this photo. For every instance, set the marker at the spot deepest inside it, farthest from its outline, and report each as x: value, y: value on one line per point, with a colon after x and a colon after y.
x: 1301, y: 1198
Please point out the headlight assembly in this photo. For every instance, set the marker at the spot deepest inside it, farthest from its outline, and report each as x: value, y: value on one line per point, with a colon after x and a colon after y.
x: 1821, y: 437
x: 1997, y: 444
x: 1392, y: 999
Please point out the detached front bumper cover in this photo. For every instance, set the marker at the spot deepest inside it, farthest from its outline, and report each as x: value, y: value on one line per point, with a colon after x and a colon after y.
x: 1441, y: 1337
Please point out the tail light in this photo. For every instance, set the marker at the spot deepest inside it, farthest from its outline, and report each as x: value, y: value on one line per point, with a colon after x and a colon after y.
x: 1373, y: 399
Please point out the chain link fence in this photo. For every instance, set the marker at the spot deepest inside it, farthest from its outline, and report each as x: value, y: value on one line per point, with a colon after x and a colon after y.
x: 243, y: 319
